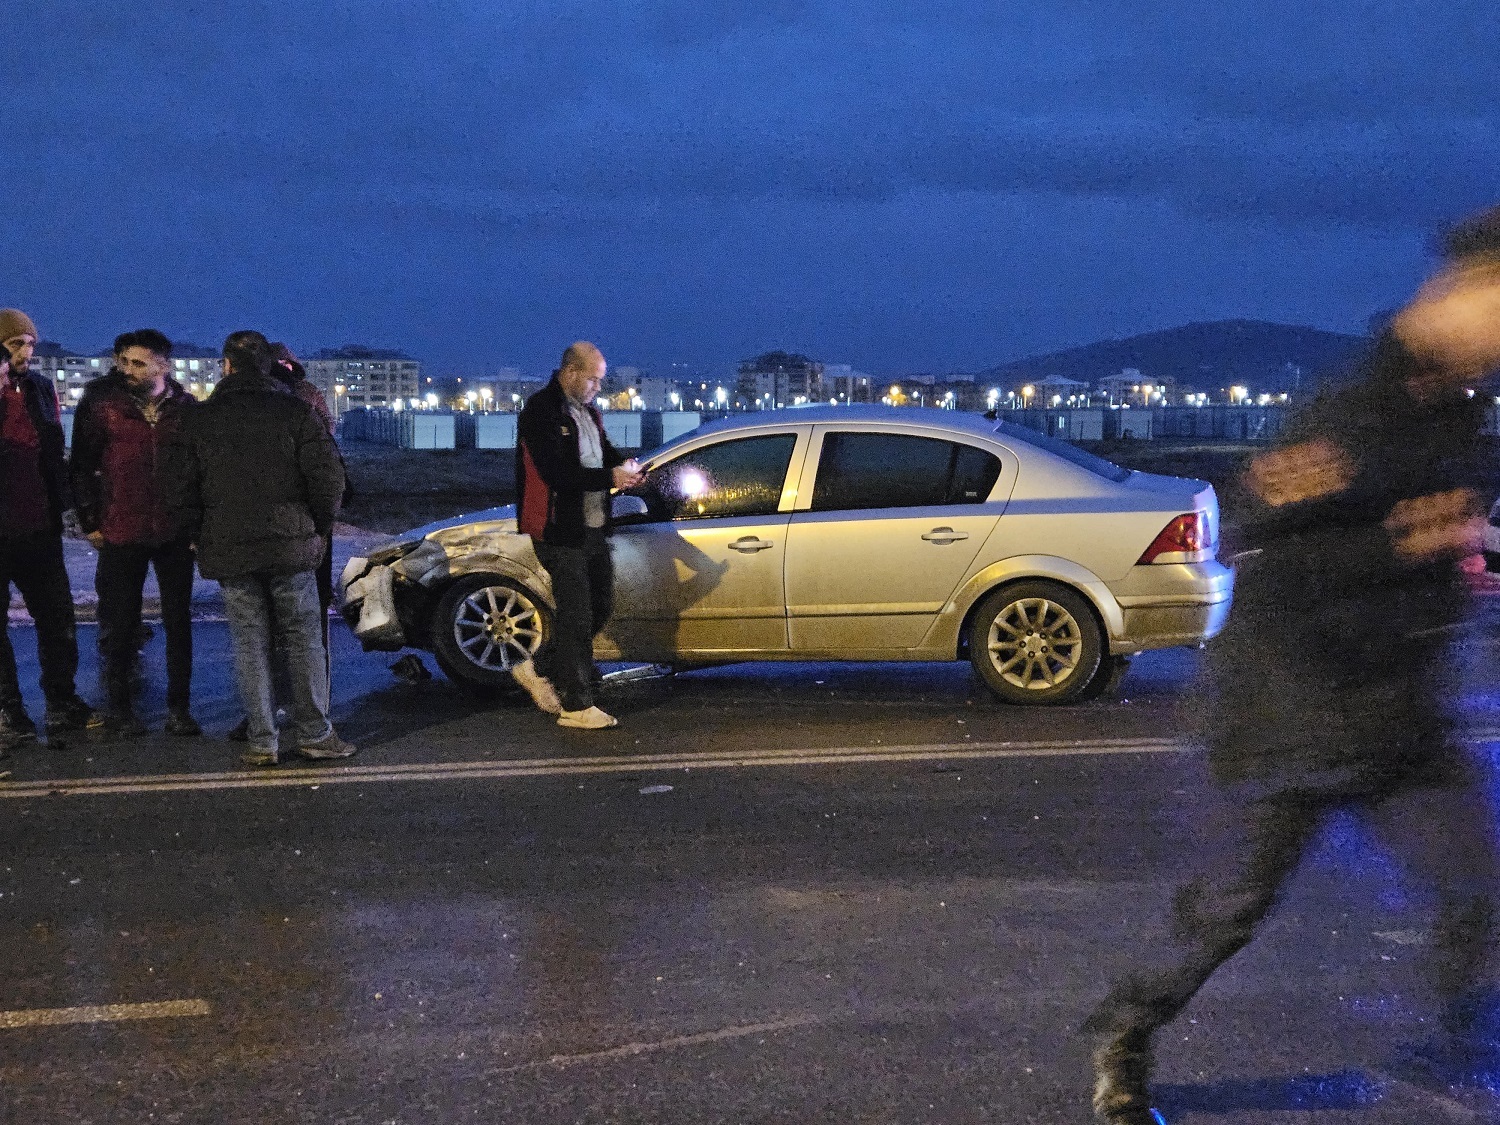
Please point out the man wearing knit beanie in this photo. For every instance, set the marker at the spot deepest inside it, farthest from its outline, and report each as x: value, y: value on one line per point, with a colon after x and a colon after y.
x: 33, y: 497
x: 15, y: 324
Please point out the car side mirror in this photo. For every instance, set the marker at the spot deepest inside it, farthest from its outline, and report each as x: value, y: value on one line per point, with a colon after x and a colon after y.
x: 624, y: 506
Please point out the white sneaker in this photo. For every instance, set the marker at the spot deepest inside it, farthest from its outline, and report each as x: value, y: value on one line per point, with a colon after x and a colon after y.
x: 591, y: 718
x: 538, y: 686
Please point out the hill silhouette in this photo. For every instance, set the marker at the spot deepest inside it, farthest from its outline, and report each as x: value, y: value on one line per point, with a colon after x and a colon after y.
x: 1208, y: 356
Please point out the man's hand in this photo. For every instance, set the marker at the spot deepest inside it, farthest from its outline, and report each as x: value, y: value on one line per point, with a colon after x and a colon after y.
x: 1306, y: 471
x: 1443, y: 525
x: 627, y: 475
x: 96, y: 539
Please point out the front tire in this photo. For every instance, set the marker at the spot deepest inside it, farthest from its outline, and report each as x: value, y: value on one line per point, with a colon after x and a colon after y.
x: 1035, y: 643
x: 485, y: 625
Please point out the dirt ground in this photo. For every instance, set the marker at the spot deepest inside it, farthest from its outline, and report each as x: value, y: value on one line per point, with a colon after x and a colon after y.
x: 395, y: 489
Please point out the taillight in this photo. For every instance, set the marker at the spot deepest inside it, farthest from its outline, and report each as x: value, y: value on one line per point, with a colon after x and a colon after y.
x: 1188, y: 538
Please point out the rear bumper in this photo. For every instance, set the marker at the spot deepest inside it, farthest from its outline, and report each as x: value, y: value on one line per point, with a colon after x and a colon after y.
x: 1190, y: 605
x: 1163, y: 626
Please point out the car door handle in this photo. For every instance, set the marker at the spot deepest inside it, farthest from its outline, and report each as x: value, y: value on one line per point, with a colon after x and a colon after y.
x: 945, y: 535
x: 750, y: 544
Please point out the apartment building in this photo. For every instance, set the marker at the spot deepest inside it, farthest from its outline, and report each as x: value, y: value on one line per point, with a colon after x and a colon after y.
x: 355, y: 376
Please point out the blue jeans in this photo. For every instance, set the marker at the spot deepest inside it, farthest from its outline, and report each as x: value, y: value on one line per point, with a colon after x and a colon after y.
x: 284, y: 609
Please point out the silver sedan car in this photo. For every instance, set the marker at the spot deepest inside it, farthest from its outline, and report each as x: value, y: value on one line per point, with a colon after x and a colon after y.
x: 838, y: 533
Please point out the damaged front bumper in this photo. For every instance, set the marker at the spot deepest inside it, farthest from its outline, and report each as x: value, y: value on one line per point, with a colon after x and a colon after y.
x: 370, y: 609
x: 371, y: 590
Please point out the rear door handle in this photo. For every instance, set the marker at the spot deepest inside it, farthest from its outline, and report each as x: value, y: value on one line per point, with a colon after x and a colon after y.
x: 945, y: 535
x: 750, y: 544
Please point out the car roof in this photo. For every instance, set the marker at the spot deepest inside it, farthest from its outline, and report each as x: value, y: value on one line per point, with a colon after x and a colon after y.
x: 823, y: 415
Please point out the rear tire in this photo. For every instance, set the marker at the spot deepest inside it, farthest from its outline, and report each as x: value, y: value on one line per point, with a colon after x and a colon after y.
x: 483, y: 626
x: 1036, y: 642
x: 1106, y: 681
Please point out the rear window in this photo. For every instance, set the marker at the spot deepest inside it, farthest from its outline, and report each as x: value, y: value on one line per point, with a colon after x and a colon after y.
x: 873, y: 470
x: 1068, y: 452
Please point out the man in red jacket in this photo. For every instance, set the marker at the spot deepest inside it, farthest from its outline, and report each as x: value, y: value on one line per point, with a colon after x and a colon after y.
x: 120, y: 433
x: 33, y: 497
x: 565, y: 468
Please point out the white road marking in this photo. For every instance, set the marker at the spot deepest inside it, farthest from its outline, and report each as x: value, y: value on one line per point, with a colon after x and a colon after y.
x: 563, y: 767
x: 516, y: 768
x: 103, y: 1013
x: 629, y: 1050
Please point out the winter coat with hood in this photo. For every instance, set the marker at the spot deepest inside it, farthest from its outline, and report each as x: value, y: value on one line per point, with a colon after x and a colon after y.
x: 1329, y: 675
x: 256, y: 480
x: 119, y: 463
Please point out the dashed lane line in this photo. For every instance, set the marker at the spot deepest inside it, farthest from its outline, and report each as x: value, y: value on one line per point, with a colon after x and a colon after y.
x: 102, y: 1013
x: 564, y: 767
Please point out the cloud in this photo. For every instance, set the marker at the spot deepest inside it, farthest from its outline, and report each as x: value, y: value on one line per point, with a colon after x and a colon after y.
x: 1293, y: 111
x: 350, y: 164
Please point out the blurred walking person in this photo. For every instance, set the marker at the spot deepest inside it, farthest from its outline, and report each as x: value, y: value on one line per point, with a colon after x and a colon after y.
x: 33, y: 498
x: 121, y: 431
x: 257, y: 482
x: 1329, y: 681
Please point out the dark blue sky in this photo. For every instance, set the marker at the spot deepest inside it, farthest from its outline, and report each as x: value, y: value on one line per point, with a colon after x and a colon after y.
x: 904, y: 187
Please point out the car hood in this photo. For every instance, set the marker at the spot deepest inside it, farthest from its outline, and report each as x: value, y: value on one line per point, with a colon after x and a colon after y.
x: 489, y: 521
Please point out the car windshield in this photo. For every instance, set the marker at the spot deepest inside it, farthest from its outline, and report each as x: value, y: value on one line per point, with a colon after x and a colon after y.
x: 1066, y: 450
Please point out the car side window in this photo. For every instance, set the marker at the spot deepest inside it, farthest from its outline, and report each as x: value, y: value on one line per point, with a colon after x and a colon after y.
x: 866, y: 470
x: 740, y: 477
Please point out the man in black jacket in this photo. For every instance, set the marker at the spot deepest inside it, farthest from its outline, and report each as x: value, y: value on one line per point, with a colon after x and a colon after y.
x: 565, y: 468
x: 122, y: 429
x: 256, y: 482
x: 1329, y: 690
x: 33, y: 497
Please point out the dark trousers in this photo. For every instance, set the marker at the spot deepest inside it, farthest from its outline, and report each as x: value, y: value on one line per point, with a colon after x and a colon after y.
x: 1441, y: 829
x: 34, y: 565
x: 324, y: 576
x: 119, y: 579
x: 583, y: 592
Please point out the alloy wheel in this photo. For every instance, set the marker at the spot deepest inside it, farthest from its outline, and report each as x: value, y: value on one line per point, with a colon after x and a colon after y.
x: 496, y: 627
x: 1035, y: 643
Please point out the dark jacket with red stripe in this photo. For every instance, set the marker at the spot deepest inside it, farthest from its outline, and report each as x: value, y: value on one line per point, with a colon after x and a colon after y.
x: 550, y: 477
x: 119, y: 461
x: 41, y: 404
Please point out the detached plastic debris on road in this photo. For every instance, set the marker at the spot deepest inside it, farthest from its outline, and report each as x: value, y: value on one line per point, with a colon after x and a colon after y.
x: 411, y: 669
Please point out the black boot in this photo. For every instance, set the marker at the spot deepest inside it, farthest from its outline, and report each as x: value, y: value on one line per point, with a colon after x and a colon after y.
x: 16, y: 726
x: 121, y: 723
x: 181, y: 724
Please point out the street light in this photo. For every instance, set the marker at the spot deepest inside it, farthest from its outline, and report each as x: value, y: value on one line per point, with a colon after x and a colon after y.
x: 486, y: 394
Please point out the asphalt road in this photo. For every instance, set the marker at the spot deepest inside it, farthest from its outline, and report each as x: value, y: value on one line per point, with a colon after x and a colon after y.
x: 808, y: 893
